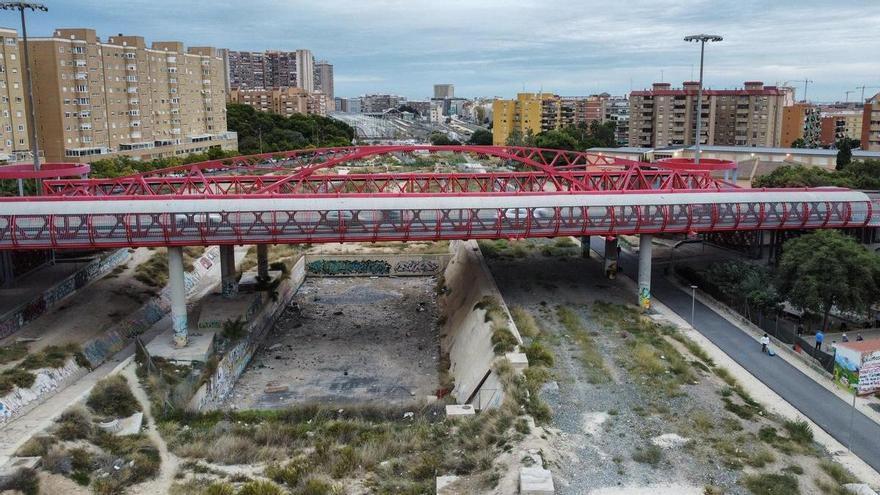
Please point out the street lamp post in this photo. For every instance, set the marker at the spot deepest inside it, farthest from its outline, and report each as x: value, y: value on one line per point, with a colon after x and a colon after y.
x: 693, y: 302
x: 21, y: 7
x: 702, y: 39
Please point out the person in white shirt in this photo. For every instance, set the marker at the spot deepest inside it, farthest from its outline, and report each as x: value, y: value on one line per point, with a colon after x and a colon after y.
x: 765, y: 342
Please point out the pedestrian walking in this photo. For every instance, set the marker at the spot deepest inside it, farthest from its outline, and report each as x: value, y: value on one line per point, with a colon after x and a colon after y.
x: 844, y: 338
x: 859, y: 337
x: 820, y: 337
x: 765, y: 342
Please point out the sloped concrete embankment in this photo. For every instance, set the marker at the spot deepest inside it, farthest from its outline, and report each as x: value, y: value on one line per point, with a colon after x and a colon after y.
x: 233, y: 363
x: 49, y: 382
x: 466, y: 335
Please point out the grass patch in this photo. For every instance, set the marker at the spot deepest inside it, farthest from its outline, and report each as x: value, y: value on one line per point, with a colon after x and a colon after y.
x: 154, y: 271
x: 525, y: 322
x: 799, y: 431
x: 503, y: 340
x: 771, y: 484
x: 23, y: 481
x: 538, y: 354
x: 590, y: 355
x: 15, y: 377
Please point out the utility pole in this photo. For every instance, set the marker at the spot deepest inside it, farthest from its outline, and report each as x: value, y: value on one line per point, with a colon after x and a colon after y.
x: 701, y: 39
x: 21, y: 7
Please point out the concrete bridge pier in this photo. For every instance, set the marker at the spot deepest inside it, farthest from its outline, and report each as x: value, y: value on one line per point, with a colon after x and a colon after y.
x: 611, y: 257
x: 177, y: 293
x: 228, y: 275
x: 585, y: 246
x: 262, y: 261
x: 645, y: 249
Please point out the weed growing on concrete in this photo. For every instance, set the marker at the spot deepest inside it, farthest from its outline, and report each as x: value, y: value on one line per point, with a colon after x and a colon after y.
x: 837, y: 472
x: 503, y: 340
x: 15, y: 377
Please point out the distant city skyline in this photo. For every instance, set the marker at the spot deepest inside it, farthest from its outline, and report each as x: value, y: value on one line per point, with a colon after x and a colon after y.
x: 492, y: 48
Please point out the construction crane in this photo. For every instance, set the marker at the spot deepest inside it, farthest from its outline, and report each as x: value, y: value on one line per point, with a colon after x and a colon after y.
x: 805, y: 81
x: 847, y: 95
x: 863, y: 88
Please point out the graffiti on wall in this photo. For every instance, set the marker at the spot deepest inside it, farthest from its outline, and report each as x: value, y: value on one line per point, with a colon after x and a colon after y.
x: 349, y: 267
x: 417, y: 266
x: 29, y: 311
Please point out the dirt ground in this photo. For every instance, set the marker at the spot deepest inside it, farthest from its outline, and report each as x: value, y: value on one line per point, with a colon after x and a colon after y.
x: 603, y: 425
x: 348, y: 340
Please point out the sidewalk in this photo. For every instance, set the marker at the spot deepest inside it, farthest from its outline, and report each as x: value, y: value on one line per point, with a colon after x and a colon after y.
x: 802, y: 362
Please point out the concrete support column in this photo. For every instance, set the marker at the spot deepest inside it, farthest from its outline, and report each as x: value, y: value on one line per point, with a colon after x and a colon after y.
x: 645, y: 249
x: 7, y: 271
x: 262, y: 261
x: 611, y: 257
x: 177, y: 292
x: 585, y: 246
x: 228, y: 275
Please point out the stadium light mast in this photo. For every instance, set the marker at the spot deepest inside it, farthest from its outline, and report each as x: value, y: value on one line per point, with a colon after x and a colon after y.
x: 21, y: 7
x: 702, y: 39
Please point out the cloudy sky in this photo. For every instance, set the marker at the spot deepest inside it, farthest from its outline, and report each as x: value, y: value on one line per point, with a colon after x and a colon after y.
x: 497, y: 48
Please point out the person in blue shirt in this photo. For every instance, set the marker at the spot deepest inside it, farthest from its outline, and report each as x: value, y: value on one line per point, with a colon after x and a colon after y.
x: 820, y: 337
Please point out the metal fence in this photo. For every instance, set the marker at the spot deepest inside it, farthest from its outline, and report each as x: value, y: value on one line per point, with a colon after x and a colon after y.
x: 780, y: 327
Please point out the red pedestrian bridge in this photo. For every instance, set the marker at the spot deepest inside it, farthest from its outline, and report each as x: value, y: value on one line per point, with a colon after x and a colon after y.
x: 336, y: 195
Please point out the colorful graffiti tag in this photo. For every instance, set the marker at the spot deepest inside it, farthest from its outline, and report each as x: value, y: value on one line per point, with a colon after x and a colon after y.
x: 33, y: 309
x: 348, y: 267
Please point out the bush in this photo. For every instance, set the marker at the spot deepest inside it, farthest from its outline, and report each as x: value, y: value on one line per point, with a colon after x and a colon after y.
x: 260, y: 488
x: 799, y: 431
x: 539, y: 355
x: 112, y: 397
x: 74, y: 424
x: 771, y: 484
x: 503, y: 340
x: 12, y: 352
x: 36, y: 446
x: 23, y: 480
x: 837, y: 472
x: 318, y: 486
x: 15, y: 377
x: 649, y: 454
x: 234, y: 329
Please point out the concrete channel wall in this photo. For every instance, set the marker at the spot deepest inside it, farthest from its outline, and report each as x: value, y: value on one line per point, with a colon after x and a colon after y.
x: 28, y: 311
x: 375, y: 265
x: 232, y: 365
x: 467, y: 336
x: 51, y: 381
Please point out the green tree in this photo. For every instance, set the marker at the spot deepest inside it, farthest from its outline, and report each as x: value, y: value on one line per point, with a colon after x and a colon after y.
x: 826, y: 269
x: 515, y: 138
x: 844, y: 153
x: 799, y: 143
x: 557, y: 140
x: 266, y: 132
x: 441, y: 139
x: 481, y: 137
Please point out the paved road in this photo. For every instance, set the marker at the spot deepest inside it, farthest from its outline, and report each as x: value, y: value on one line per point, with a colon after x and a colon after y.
x: 813, y: 400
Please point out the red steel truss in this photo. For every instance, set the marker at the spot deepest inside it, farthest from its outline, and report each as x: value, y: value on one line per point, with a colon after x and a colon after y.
x: 304, y: 196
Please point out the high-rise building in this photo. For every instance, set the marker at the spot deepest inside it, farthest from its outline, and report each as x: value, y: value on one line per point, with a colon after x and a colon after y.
x: 533, y: 113
x: 354, y: 105
x: 871, y: 124
x: 839, y: 124
x: 282, y: 101
x: 324, y: 78
x: 801, y: 121
x: 442, y: 91
x: 14, y: 140
x: 271, y: 69
x: 617, y: 111
x: 94, y: 99
x: 663, y: 116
